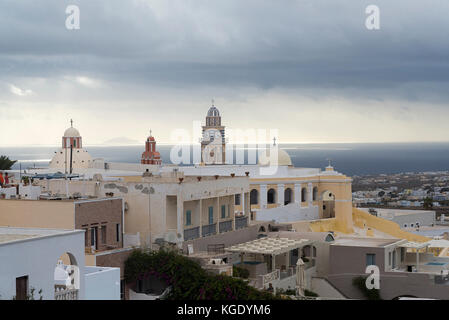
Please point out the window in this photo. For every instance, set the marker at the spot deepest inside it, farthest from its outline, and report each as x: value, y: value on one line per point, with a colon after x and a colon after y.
x: 188, y: 217
x: 271, y: 196
x: 394, y: 260
x: 103, y: 234
x: 303, y: 194
x: 370, y: 259
x: 211, y: 215
x: 93, y: 237
x: 117, y: 232
x: 389, y: 258
x: 315, y: 194
x: 237, y: 199
x: 287, y: 196
x: 223, y: 211
x: 86, y: 237
x: 254, y: 197
x: 21, y: 288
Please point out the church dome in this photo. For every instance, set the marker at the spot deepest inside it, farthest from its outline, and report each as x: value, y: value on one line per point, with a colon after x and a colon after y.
x: 213, y: 112
x: 283, y: 158
x: 71, y: 132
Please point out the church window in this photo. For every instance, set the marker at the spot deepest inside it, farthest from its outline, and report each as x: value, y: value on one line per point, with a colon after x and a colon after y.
x: 254, y: 196
x: 303, y: 194
x: 315, y: 194
x: 287, y: 196
x: 271, y: 196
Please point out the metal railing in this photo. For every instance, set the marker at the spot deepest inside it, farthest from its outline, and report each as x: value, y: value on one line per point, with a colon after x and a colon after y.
x: 241, y: 222
x: 193, y: 233
x: 216, y: 248
x: 66, y: 294
x: 209, y: 230
x: 225, y: 226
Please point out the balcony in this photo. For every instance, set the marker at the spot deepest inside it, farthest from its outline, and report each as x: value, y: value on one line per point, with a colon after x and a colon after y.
x: 241, y: 222
x: 192, y: 233
x: 225, y: 226
x: 66, y: 294
x: 209, y: 230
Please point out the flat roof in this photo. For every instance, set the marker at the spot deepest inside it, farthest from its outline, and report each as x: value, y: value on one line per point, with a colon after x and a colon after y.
x: 398, y: 212
x: 364, y: 242
x: 54, y: 198
x: 10, y: 235
x: 4, y: 238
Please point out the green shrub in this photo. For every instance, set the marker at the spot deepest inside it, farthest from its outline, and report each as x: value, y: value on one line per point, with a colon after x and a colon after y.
x: 240, y: 272
x: 309, y: 293
x: 288, y: 292
x: 187, y: 279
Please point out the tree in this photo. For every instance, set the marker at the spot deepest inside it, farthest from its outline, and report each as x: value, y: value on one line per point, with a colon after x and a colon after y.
x: 6, y: 163
x: 187, y: 279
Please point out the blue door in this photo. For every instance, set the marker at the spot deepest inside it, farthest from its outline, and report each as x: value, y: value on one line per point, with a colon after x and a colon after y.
x: 211, y: 215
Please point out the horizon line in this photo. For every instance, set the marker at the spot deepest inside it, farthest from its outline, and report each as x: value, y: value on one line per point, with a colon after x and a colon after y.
x: 233, y: 143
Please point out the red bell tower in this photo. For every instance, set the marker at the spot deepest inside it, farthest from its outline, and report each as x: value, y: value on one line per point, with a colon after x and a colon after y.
x: 151, y: 156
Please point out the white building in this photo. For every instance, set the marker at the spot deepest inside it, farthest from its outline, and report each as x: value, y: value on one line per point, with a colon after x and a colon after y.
x: 49, y: 264
x: 29, y: 258
x: 71, y: 157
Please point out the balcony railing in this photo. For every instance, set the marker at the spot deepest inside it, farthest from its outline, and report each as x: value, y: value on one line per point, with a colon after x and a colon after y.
x: 225, y: 226
x: 209, y: 230
x: 241, y: 222
x: 193, y: 233
x: 288, y: 272
x: 270, y: 277
x: 66, y: 294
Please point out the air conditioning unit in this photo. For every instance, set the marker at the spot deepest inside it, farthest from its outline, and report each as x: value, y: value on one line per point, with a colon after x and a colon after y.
x: 170, y: 236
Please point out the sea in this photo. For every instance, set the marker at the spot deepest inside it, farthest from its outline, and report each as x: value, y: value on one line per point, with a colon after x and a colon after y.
x: 352, y: 159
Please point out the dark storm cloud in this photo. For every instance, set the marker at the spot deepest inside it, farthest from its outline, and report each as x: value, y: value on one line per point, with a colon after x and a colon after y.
x: 305, y: 44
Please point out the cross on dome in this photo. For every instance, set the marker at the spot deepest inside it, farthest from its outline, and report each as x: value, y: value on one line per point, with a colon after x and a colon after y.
x: 71, y: 131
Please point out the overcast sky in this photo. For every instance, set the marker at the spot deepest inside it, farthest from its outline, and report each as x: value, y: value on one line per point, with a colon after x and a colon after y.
x: 309, y: 68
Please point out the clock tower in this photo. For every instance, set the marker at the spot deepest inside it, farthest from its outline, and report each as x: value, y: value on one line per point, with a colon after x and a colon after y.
x: 213, y: 143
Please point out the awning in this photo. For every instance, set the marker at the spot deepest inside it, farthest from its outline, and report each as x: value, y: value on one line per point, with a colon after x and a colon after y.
x: 415, y: 245
x: 270, y: 246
